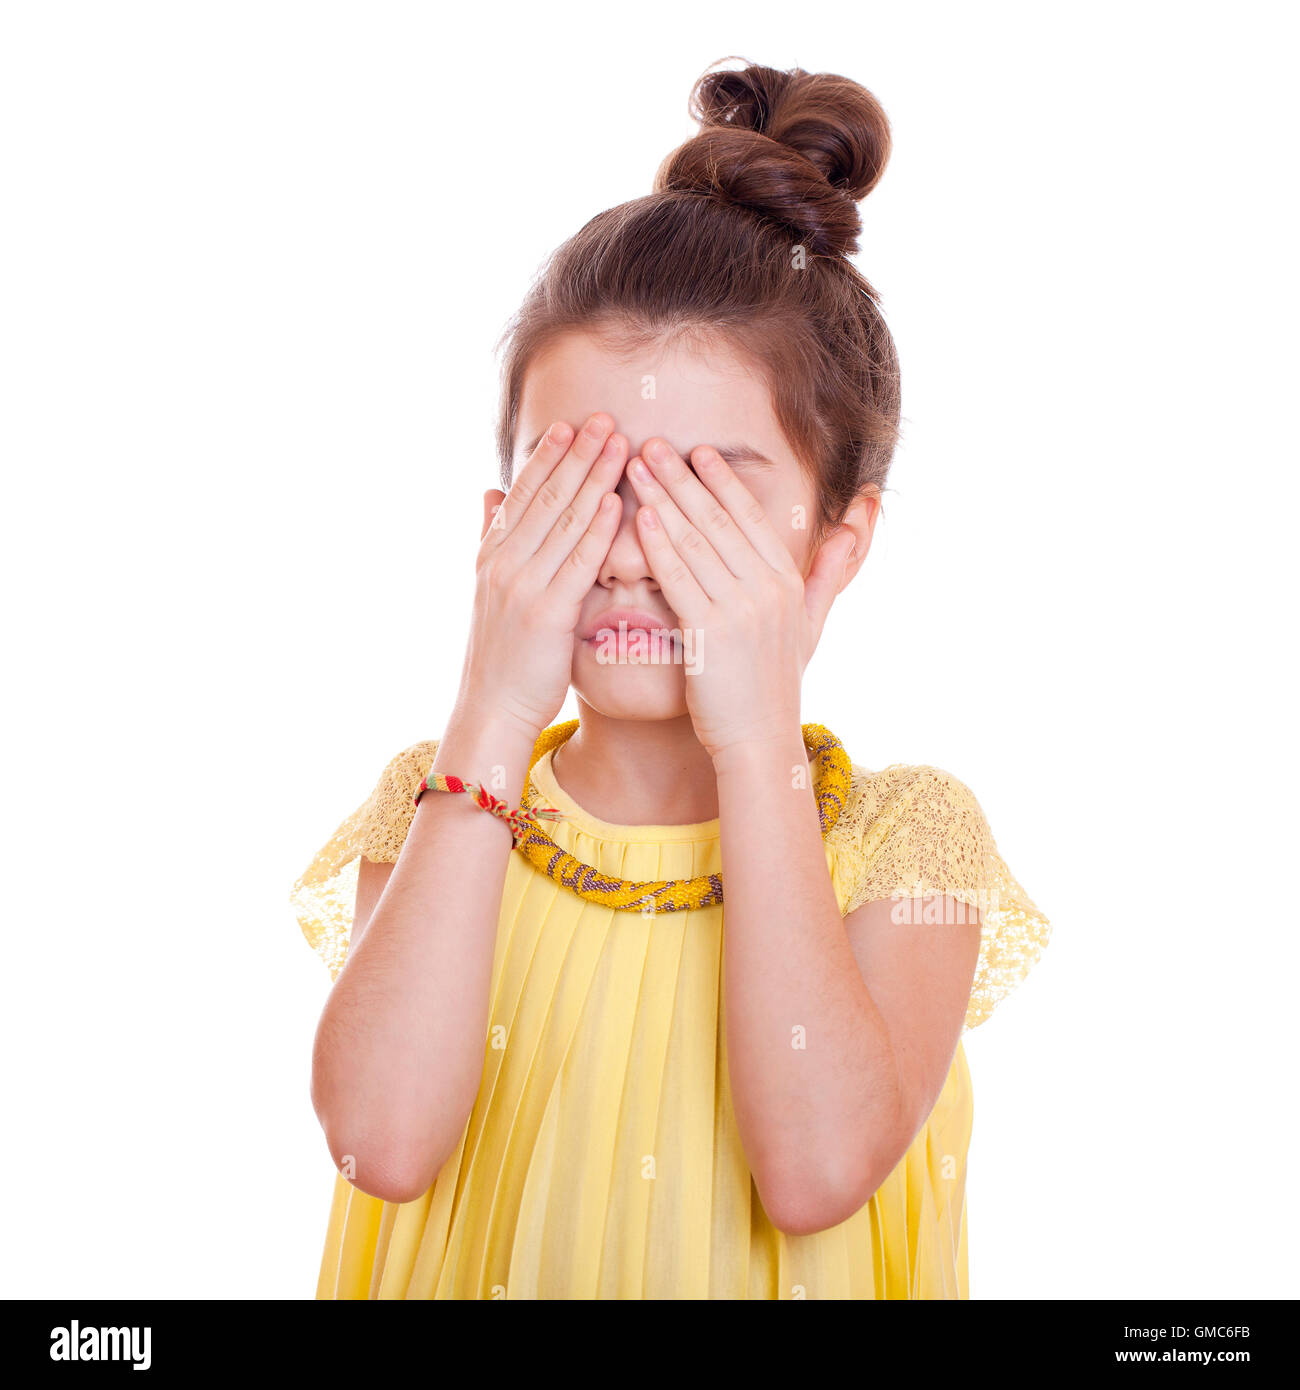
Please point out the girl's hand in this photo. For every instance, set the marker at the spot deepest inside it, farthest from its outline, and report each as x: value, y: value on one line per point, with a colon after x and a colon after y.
x: 539, y: 558
x: 728, y: 576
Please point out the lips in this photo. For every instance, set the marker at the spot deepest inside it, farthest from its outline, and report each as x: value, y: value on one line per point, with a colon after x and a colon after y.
x: 631, y: 619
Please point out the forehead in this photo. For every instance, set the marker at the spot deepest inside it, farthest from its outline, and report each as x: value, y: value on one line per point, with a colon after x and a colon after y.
x: 689, y: 393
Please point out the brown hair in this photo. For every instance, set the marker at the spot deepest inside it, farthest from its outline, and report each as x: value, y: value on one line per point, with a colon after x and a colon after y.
x: 746, y: 236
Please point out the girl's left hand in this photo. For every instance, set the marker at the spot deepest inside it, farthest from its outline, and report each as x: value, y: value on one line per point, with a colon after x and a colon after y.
x: 730, y: 579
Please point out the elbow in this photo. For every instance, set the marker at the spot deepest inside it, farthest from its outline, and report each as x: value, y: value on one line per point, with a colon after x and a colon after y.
x: 812, y: 1202
x: 392, y: 1172
x: 392, y: 1179
x: 384, y: 1140
x: 827, y: 1183
x: 376, y: 1156
x: 806, y: 1213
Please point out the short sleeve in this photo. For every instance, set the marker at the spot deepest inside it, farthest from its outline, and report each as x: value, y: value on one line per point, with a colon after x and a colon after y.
x: 912, y: 831
x: 324, y: 897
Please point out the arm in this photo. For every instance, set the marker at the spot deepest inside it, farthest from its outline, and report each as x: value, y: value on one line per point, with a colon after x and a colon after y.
x: 878, y: 1005
x: 398, y: 1053
x: 398, y: 1056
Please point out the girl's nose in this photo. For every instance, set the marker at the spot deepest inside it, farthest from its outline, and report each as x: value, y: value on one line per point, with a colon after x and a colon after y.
x: 626, y: 563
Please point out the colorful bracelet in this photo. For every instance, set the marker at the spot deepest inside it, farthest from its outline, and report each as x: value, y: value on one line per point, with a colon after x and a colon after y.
x: 519, y: 820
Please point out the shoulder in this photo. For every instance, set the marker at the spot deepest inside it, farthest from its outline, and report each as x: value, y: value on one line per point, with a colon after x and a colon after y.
x: 916, y: 794
x: 915, y: 830
x: 907, y: 826
x: 405, y: 769
x: 384, y: 818
x: 325, y: 895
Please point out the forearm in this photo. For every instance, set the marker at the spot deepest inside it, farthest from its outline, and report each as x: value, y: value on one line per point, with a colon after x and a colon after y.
x: 399, y: 1050
x: 813, y: 1076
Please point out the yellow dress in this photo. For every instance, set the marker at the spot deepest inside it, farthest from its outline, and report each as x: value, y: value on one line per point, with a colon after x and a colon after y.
x: 602, y: 1159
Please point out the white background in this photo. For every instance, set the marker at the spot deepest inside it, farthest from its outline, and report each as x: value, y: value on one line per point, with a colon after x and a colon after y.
x: 256, y: 259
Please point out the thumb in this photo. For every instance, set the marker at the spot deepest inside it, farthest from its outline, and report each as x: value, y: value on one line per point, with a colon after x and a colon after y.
x: 493, y: 499
x: 826, y: 576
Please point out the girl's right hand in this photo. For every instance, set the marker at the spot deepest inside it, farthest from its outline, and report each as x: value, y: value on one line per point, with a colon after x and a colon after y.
x: 540, y: 556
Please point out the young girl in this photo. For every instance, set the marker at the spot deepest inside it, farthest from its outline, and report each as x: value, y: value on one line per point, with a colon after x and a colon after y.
x: 667, y: 1001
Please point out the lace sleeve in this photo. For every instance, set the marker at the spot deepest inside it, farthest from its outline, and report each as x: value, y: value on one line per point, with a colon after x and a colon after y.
x: 916, y: 831
x: 324, y: 897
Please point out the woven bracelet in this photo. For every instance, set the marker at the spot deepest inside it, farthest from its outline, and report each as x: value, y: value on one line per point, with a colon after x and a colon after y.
x: 519, y: 820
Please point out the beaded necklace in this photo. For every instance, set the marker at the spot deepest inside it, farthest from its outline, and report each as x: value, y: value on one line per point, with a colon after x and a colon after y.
x: 831, y: 770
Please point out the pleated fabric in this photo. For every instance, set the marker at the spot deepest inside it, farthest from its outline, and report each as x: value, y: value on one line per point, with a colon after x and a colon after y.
x: 602, y: 1159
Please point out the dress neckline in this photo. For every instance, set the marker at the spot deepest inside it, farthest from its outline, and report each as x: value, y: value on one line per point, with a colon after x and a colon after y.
x: 549, y: 790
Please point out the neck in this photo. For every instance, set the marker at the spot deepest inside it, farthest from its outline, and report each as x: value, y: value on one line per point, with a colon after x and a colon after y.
x: 637, y: 771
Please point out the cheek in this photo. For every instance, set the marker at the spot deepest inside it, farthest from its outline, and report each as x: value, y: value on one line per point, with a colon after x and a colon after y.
x: 792, y: 513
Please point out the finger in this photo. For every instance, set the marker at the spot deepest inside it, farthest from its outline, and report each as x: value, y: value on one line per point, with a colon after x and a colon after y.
x: 743, y: 507
x: 558, y: 489
x: 579, y: 569
x: 551, y: 448
x: 490, y: 516
x: 679, y: 585
x: 572, y: 522
x: 826, y: 577
x: 707, y: 513
x: 688, y: 542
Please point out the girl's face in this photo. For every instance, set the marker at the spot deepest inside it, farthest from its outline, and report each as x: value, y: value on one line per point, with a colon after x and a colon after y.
x: 687, y: 396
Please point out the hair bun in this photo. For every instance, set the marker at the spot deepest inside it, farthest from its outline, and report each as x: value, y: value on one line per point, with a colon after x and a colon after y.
x: 797, y: 148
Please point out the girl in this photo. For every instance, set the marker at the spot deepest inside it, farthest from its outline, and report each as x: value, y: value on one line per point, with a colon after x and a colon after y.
x: 545, y: 1070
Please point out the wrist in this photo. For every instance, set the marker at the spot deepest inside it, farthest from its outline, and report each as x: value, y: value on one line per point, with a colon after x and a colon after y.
x: 482, y: 700
x: 488, y: 746
x: 778, y: 751
x: 482, y: 705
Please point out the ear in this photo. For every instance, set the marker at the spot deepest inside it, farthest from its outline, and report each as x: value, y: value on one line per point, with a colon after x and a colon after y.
x: 861, y: 520
x: 492, y: 499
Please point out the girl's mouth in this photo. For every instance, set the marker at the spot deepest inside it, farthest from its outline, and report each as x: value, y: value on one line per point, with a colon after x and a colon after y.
x: 627, y: 645
x: 610, y: 624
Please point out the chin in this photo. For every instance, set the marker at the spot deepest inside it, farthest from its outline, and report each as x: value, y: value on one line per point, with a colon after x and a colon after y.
x: 630, y: 691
